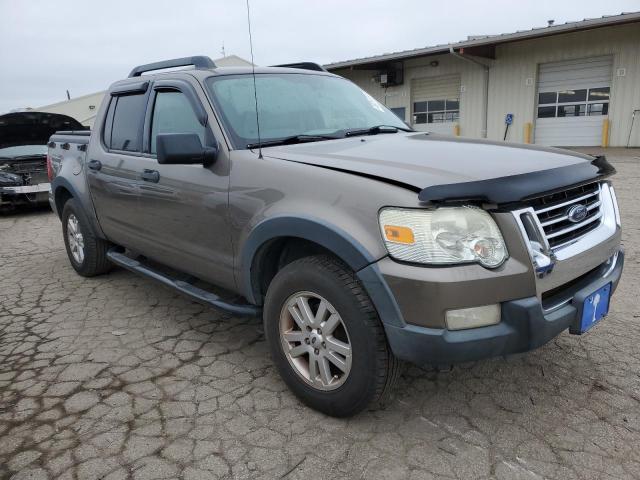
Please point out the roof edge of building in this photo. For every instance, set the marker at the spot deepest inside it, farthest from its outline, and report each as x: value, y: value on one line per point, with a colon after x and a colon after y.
x: 489, y: 40
x: 81, y: 97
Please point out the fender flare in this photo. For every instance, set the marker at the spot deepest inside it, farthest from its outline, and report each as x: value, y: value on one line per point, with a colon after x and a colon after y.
x: 334, y: 239
x: 61, y: 182
x: 337, y: 241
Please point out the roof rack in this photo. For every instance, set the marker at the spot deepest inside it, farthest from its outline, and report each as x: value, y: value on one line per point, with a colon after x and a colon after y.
x: 200, y: 62
x: 304, y: 66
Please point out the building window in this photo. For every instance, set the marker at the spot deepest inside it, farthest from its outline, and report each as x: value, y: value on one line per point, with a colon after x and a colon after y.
x: 571, y: 110
x: 599, y: 94
x: 598, y: 108
x: 572, y: 96
x: 546, y: 112
x: 574, y: 103
x: 547, y: 97
x: 436, y: 111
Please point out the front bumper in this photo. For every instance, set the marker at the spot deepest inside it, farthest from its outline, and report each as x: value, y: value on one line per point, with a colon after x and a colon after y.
x: 25, y: 194
x: 524, y: 326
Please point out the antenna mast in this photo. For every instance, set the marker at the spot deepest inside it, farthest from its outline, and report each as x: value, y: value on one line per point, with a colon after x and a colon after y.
x: 255, y: 90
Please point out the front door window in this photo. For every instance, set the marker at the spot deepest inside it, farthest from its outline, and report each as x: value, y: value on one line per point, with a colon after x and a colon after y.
x: 172, y: 113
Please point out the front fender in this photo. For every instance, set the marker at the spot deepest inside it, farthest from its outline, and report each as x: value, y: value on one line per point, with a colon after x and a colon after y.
x: 337, y: 241
x: 334, y: 239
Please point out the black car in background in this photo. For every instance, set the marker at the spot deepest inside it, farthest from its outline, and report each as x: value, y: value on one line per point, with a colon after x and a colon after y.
x: 23, y: 155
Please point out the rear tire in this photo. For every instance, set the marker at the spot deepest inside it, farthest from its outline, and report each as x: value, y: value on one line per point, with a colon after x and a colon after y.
x: 339, y: 373
x: 87, y: 253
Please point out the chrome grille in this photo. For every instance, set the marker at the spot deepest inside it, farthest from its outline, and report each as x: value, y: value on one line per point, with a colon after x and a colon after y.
x: 553, y: 213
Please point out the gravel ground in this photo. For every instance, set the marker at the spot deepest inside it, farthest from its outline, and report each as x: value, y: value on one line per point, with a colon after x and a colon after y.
x: 117, y: 377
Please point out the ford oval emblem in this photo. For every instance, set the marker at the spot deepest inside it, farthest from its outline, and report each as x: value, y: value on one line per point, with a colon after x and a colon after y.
x: 577, y: 213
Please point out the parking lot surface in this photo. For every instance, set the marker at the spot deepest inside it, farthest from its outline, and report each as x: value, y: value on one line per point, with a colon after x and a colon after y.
x: 117, y: 377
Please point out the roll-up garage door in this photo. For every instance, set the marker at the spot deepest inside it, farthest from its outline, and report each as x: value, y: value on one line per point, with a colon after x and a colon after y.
x: 573, y: 101
x: 435, y: 103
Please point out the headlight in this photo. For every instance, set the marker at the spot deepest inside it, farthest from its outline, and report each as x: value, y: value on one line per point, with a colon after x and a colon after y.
x: 443, y: 236
x: 10, y: 179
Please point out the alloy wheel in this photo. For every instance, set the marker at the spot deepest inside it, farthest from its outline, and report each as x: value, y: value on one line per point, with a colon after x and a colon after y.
x: 315, y: 340
x: 76, y: 239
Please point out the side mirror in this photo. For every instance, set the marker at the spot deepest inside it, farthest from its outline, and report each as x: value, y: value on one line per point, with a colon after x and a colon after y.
x: 184, y: 149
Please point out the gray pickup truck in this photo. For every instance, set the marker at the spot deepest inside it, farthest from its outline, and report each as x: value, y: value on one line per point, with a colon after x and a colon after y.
x: 295, y: 196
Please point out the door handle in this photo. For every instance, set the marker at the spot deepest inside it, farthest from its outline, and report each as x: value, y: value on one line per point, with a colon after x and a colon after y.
x: 95, y: 165
x: 150, y: 175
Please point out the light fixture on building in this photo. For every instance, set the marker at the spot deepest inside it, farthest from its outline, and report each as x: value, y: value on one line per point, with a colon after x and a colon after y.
x: 434, y: 63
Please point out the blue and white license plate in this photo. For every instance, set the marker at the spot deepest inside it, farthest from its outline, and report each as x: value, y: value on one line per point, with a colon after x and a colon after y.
x: 596, y: 307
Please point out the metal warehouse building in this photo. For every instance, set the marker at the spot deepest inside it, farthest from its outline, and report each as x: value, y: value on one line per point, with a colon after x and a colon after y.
x: 575, y: 84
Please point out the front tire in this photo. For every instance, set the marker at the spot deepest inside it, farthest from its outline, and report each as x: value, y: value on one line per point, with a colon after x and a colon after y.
x: 87, y: 253
x: 326, y: 339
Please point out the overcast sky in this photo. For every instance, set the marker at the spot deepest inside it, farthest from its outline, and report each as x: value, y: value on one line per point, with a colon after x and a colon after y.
x: 49, y: 46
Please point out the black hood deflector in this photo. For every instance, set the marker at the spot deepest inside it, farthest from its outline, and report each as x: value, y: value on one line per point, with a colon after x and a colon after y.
x: 33, y: 128
x: 518, y: 188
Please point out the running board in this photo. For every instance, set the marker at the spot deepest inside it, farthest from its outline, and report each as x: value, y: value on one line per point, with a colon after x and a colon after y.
x: 185, y: 288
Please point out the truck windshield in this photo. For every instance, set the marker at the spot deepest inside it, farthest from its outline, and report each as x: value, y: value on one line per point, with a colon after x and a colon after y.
x: 292, y: 105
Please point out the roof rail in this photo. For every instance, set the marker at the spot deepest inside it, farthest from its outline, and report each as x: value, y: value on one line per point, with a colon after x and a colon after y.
x: 304, y: 66
x: 200, y: 62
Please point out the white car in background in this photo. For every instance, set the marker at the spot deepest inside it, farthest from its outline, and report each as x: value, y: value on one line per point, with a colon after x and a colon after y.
x: 23, y: 155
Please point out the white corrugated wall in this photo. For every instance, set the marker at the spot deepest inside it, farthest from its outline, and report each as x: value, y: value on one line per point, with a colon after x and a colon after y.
x: 513, y: 80
x: 509, y: 91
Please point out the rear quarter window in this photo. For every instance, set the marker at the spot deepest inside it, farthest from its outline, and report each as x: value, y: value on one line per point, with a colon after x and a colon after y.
x: 126, y: 127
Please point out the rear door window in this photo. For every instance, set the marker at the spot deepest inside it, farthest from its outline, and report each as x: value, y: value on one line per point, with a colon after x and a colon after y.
x: 172, y: 113
x: 126, y: 130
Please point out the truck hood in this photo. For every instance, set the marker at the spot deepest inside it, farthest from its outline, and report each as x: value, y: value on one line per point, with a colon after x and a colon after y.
x: 33, y: 128
x: 421, y: 161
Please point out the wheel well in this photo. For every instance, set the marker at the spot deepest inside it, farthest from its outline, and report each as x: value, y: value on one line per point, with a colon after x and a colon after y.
x: 276, y: 254
x: 61, y: 197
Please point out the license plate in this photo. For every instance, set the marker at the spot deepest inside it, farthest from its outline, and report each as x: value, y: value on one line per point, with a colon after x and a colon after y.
x: 595, y: 308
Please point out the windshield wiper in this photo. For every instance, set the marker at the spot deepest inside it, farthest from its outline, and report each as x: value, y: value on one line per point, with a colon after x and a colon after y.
x: 375, y: 130
x: 302, y: 138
